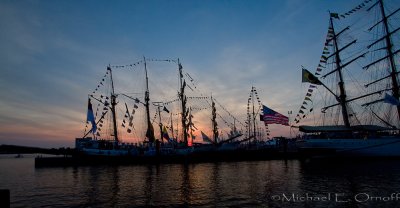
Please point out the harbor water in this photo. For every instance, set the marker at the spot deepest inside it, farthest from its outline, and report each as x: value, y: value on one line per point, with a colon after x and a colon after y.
x: 272, y: 183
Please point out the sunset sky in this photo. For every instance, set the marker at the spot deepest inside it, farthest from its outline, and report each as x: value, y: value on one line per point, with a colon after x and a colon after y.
x: 53, y: 52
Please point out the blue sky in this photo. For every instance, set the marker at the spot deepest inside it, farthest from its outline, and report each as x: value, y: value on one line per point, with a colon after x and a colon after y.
x: 53, y: 52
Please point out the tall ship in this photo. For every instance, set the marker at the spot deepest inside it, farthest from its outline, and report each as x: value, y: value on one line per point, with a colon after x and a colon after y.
x: 122, y: 118
x: 355, y: 85
x: 102, y: 134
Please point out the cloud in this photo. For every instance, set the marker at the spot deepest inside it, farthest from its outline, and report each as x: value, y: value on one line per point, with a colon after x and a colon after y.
x: 55, y: 53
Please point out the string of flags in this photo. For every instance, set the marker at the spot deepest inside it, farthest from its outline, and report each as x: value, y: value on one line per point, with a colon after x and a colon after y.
x: 352, y: 11
x: 199, y: 109
x: 160, y: 60
x: 169, y: 102
x: 201, y: 97
x: 193, y: 108
x: 230, y: 125
x: 154, y: 117
x: 156, y: 114
x: 248, y: 110
x: 142, y: 61
x: 103, y: 100
x: 128, y: 65
x: 101, y: 120
x: 103, y: 107
x: 101, y: 83
x: 223, y: 108
x: 128, y: 118
x: 306, y: 106
x: 254, y: 91
x: 192, y: 81
x: 98, y: 107
x: 198, y: 98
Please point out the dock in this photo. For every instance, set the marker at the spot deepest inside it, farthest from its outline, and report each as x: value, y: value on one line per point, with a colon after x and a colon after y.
x: 200, y: 157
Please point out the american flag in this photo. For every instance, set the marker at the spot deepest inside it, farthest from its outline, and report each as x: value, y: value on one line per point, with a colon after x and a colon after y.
x: 271, y: 117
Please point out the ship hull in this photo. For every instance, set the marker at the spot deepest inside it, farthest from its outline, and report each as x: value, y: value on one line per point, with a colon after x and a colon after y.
x: 112, y: 152
x: 371, y: 147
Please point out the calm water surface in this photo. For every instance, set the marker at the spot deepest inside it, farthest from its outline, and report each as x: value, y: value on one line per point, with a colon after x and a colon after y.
x: 275, y: 183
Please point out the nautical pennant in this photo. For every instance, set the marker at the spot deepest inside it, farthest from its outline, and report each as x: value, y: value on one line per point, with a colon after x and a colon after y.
x: 309, y: 77
x: 90, y: 117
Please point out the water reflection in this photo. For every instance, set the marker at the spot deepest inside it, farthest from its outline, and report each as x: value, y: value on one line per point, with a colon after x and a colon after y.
x: 244, y: 184
x: 353, y: 183
x: 148, y: 187
x: 186, y: 185
x: 215, y: 183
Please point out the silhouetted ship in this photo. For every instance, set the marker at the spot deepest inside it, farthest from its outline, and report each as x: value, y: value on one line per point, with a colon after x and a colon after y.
x: 366, y: 124
x: 108, y: 142
x: 105, y: 125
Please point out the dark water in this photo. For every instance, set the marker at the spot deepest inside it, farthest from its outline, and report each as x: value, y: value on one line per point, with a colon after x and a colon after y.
x: 275, y: 183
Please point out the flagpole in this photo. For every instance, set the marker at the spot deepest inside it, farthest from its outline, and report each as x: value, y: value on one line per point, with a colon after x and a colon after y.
x: 316, y: 81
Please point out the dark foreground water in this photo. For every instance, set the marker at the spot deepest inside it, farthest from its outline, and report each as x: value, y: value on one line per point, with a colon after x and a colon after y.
x: 275, y: 183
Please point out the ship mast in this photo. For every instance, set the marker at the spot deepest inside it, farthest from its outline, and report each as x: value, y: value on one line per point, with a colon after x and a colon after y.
x: 113, y: 104
x: 251, y: 116
x: 342, y: 95
x: 158, y: 105
x: 389, y: 54
x: 172, y: 127
x: 150, y: 131
x: 214, y: 121
x: 254, y: 114
x: 248, y: 114
x: 183, y: 99
x: 389, y: 50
